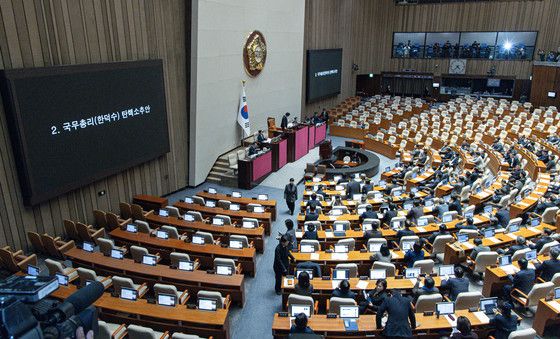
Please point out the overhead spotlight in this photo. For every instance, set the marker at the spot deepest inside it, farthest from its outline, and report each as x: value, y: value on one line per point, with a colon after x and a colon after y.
x: 508, y: 45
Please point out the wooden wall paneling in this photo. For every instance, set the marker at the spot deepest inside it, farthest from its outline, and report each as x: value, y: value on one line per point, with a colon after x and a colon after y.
x: 36, y: 33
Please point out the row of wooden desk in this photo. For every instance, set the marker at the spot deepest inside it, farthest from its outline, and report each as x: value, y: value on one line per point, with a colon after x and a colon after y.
x: 193, y: 281
x: 269, y: 205
x: 163, y: 318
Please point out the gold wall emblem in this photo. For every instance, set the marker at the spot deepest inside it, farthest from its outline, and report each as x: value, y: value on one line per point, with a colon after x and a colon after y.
x: 254, y: 53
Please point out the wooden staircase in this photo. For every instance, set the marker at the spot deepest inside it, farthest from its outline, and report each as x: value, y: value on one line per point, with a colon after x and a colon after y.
x: 221, y: 173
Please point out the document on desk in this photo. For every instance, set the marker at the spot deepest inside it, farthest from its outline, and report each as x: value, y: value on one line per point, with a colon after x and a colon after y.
x: 511, y: 235
x: 339, y: 256
x: 494, y: 240
x: 534, y: 229
x: 421, y: 229
x: 468, y: 245
x: 332, y: 217
x: 509, y: 269
x: 451, y: 322
x: 289, y: 282
x: 477, y: 220
x: 555, y: 304
x: 482, y: 317
x: 299, y: 234
x: 314, y: 256
x: 329, y: 234
x: 362, y: 284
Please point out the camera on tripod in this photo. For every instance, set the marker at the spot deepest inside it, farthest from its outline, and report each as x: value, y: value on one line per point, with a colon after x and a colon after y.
x: 26, y: 314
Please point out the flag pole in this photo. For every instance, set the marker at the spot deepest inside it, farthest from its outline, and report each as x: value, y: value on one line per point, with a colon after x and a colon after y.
x: 242, y: 132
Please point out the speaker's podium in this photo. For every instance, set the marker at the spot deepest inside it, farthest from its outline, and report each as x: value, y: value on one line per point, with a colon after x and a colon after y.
x: 254, y: 169
x: 301, y: 137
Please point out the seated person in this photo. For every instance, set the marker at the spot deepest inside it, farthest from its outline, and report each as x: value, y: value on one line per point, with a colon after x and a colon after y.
x: 502, y: 217
x: 300, y: 325
x: 441, y: 208
x: 369, y: 214
x: 311, y: 233
x: 312, y: 215
x: 303, y: 286
x: 427, y: 289
x: 416, y: 212
x: 522, y: 280
x: 505, y: 322
x: 260, y: 136
x: 455, y: 204
x: 367, y: 187
x: 320, y: 191
x: 549, y: 267
x: 463, y: 330
x: 478, y: 248
x: 520, y: 243
x: 414, y: 254
x: 390, y: 214
x: 313, y: 202
x: 343, y: 291
x: 442, y: 231
x: 373, y: 233
x: 406, y: 231
x: 546, y: 238
x: 384, y: 254
x: 375, y: 297
x: 253, y: 149
x: 468, y: 226
x: 457, y: 284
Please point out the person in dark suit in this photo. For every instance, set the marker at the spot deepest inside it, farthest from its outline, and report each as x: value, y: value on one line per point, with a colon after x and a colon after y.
x: 343, y: 291
x: 311, y: 233
x: 353, y: 188
x: 455, y: 205
x: 442, y: 231
x: 406, y: 231
x: 522, y: 280
x: 456, y: 285
x: 373, y: 233
x: 401, y: 318
x: 416, y: 212
x: 290, y: 195
x: 284, y: 124
x: 390, y: 214
x: 312, y: 215
x: 300, y: 325
x: 505, y: 322
x: 464, y: 330
x: 375, y: 298
x: 549, y: 267
x: 367, y: 187
x: 303, y: 286
x: 413, y: 255
x: 441, y: 208
x: 282, y: 258
x: 502, y: 216
x: 520, y: 243
x: 313, y: 202
x: 468, y: 226
x: 320, y: 191
x: 428, y: 288
x: 260, y: 136
x: 545, y: 239
x: 478, y: 248
x: 369, y: 213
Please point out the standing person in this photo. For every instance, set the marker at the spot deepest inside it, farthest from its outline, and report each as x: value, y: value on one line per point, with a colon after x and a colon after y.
x: 401, y: 318
x: 284, y: 123
x: 290, y: 194
x: 291, y: 234
x: 281, y: 262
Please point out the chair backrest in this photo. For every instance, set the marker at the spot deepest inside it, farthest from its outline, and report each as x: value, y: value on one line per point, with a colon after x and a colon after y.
x: 36, y: 242
x: 232, y: 159
x: 296, y: 299
x: 453, y: 214
x: 345, y: 224
x: 50, y: 246
x: 86, y: 274
x: 223, y: 204
x: 352, y: 268
x: 225, y: 218
x: 125, y: 210
x: 408, y: 238
x: 556, y: 279
x: 225, y: 262
x: 242, y: 238
x: 197, y: 216
x: 315, y: 243
x: 390, y: 269
x: 137, y: 212
x: 254, y: 221
x: 141, y: 332
x: 538, y: 292
x: 251, y: 207
x: 466, y: 300
x: 120, y: 282
x: 83, y: 232
x: 208, y: 237
x: 549, y: 215
x: 198, y: 200
x: 527, y: 333
x: 166, y: 289
x: 336, y: 302
x: 376, y: 241
x: 54, y: 266
x: 112, y: 220
x: 100, y: 218
x: 70, y: 228
x: 350, y: 242
x: 178, y: 335
x: 440, y: 242
x: 519, y: 254
x: 175, y: 257
x: 173, y: 211
x: 546, y: 247
x: 217, y: 296
x: 143, y: 227
x: 426, y: 265
x: 105, y: 246
x: 138, y: 252
x: 171, y: 231
x: 8, y: 261
x: 484, y: 259
x: 427, y: 302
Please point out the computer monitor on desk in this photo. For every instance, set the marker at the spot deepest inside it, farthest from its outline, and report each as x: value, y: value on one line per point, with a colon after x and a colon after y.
x: 297, y: 309
x: 445, y: 308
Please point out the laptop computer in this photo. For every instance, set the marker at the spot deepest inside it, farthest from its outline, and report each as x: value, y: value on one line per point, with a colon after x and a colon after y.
x: 422, y: 222
x: 262, y: 197
x: 297, y: 309
x: 340, y: 248
x: 188, y: 217
x: 131, y: 228
x: 489, y: 233
x: 198, y: 240
x: 349, y: 314
x: 163, y: 213
x: 557, y: 293
x: 234, y: 207
x: 149, y: 259
x: 207, y: 304
x: 129, y: 294
x: 212, y: 190
x: 162, y: 234
x: 341, y: 274
x: 224, y: 270
x: 411, y: 273
x: 309, y: 272
x: 189, y: 200
x: 462, y: 237
x: 217, y: 221
x: 488, y: 305
x: 186, y: 265
x: 447, y: 218
x: 248, y: 224
x: 307, y: 248
x: 87, y: 246
x: 210, y: 203
x: 62, y: 279
x: 236, y: 244
x: 531, y: 255
x: 445, y: 308
x: 117, y: 254
x: 377, y: 274
x: 446, y: 270
x: 504, y: 260
x: 236, y: 194
x: 407, y: 245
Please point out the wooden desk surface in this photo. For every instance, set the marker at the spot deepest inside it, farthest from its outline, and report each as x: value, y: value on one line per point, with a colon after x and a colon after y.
x: 241, y: 201
x: 246, y: 256
x: 256, y: 234
x: 197, y: 279
x: 352, y: 256
x: 547, y: 314
x: 320, y: 285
